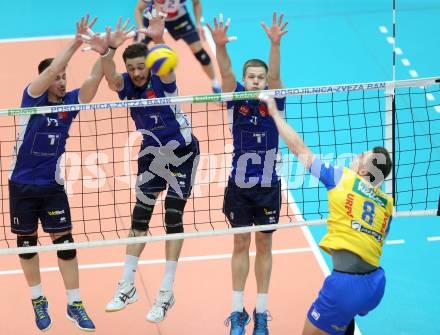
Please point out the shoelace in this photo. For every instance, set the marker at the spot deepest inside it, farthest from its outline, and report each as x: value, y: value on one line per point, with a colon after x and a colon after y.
x: 39, y: 309
x: 236, y: 317
x: 261, y: 322
x: 82, y: 313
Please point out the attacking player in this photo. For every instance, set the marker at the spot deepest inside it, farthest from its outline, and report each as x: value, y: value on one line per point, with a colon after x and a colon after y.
x: 359, y: 220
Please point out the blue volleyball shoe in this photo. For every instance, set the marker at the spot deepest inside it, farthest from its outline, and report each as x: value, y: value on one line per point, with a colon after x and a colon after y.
x: 77, y: 314
x: 260, y: 323
x: 42, y: 317
x: 238, y: 321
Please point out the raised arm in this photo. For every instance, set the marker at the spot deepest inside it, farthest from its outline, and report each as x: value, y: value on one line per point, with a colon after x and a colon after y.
x: 275, y: 32
x: 197, y: 9
x: 294, y: 142
x: 139, y: 18
x: 106, y: 47
x: 90, y: 86
x: 229, y: 83
x: 40, y: 84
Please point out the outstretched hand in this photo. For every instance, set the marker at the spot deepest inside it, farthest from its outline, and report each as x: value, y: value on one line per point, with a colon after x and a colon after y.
x: 120, y: 35
x: 156, y: 25
x: 219, y: 31
x: 277, y: 30
x: 84, y: 27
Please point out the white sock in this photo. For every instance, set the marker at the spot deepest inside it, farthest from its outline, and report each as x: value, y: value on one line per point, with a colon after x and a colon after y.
x: 215, y: 83
x: 36, y: 291
x: 168, y: 279
x: 73, y: 296
x: 261, y: 306
x: 131, y: 263
x: 237, y: 301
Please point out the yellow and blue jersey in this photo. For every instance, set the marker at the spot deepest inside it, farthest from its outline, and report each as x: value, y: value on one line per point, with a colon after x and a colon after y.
x: 359, y: 214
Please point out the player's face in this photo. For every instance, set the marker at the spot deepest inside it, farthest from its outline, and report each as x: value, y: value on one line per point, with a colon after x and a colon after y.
x: 255, y: 78
x: 137, y: 70
x: 58, y: 88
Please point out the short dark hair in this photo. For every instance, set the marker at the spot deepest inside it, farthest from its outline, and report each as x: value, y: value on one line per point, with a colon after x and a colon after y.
x: 383, y: 166
x: 254, y: 63
x: 44, y: 64
x: 134, y: 51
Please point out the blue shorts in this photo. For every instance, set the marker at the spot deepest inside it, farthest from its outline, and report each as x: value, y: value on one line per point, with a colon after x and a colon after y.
x: 179, y: 178
x: 181, y: 28
x: 256, y: 205
x: 343, y: 296
x: 28, y: 203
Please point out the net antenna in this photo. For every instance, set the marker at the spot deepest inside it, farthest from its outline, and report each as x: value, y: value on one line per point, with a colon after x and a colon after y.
x: 390, y: 116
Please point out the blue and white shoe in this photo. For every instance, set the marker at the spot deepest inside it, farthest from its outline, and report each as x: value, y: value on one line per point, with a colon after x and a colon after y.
x: 42, y: 317
x: 238, y: 321
x: 260, y: 323
x: 77, y: 314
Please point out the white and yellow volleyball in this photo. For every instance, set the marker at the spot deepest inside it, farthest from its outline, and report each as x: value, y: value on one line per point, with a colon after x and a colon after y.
x: 161, y: 59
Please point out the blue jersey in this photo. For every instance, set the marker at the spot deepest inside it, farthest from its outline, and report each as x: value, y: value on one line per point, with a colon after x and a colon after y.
x: 157, y: 123
x: 255, y: 139
x: 41, y: 141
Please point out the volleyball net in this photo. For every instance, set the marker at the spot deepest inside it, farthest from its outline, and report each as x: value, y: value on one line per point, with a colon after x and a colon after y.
x: 337, y: 121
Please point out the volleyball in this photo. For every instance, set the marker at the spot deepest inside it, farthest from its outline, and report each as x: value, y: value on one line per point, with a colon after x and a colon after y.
x: 161, y: 59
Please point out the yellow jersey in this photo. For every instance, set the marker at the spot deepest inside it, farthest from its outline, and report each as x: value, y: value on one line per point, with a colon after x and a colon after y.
x: 359, y: 214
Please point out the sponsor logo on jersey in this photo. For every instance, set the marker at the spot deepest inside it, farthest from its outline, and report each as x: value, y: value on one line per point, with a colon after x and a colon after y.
x: 149, y: 94
x: 315, y: 314
x: 363, y: 189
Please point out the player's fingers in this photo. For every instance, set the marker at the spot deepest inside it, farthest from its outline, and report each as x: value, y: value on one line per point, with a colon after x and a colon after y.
x: 93, y: 22
x: 284, y: 32
x: 274, y: 18
x: 284, y: 25
x: 118, y: 25
x: 131, y: 33
x: 220, y: 20
x: 209, y: 27
x: 125, y: 24
x: 280, y: 19
x: 215, y: 23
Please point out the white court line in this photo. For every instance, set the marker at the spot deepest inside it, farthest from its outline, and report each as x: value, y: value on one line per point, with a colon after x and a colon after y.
x: 430, y: 97
x: 391, y: 242
x: 161, y: 261
x: 405, y: 61
x: 433, y: 238
x: 383, y: 29
x: 32, y: 39
x: 413, y: 73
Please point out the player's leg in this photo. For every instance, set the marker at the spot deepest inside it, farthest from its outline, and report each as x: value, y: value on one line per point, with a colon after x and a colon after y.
x: 24, y: 203
x: 184, y: 28
x: 236, y: 209
x: 267, y: 201
x: 56, y: 220
x: 175, y: 201
x: 148, y: 187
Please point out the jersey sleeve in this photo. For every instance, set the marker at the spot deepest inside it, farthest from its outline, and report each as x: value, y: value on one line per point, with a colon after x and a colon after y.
x: 326, y: 173
x: 28, y: 101
x: 165, y: 88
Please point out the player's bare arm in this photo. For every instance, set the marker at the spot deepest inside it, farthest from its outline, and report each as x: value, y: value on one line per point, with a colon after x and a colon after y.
x: 40, y: 84
x: 139, y: 19
x: 290, y: 136
x: 275, y: 32
x: 219, y: 35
